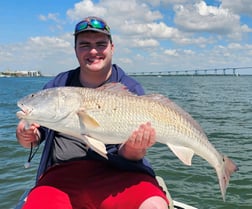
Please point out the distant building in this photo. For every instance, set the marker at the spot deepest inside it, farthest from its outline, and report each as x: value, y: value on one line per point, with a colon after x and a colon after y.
x: 24, y: 73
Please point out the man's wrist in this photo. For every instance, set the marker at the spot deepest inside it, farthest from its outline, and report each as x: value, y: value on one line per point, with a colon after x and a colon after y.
x: 131, y: 153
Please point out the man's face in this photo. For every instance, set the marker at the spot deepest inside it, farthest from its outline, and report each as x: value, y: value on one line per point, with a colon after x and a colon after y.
x: 94, y: 51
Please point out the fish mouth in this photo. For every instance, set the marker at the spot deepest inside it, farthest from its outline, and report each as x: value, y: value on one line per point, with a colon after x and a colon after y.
x: 21, y: 114
x: 24, y: 111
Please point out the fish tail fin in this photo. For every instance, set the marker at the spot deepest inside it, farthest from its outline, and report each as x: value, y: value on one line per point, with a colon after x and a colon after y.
x: 224, y: 173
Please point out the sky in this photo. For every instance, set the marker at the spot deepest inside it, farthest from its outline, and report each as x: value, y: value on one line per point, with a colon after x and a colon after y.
x: 149, y: 35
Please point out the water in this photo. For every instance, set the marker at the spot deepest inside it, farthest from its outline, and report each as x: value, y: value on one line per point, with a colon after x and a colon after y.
x: 222, y: 105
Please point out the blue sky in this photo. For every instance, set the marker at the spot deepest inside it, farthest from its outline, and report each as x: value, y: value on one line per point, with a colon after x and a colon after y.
x: 149, y: 35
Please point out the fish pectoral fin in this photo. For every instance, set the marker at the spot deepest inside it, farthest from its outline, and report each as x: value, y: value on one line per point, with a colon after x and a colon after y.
x: 87, y: 120
x: 183, y: 153
x: 96, y: 145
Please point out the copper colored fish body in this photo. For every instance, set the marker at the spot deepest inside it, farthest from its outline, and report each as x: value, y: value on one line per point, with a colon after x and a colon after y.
x: 109, y: 114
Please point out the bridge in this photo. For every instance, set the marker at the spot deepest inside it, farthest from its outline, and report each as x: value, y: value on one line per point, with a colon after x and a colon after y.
x: 216, y: 71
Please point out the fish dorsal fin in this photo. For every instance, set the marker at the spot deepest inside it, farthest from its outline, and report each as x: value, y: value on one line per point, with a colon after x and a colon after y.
x: 86, y: 120
x: 183, y: 153
x: 96, y: 145
x: 115, y: 88
x: 157, y: 97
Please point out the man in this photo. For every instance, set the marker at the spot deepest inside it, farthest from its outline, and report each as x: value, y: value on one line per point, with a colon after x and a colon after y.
x: 70, y: 174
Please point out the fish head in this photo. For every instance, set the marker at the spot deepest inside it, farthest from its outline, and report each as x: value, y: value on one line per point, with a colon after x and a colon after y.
x: 46, y: 106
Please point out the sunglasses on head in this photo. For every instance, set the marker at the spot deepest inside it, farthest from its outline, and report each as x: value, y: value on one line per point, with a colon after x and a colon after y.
x: 93, y: 23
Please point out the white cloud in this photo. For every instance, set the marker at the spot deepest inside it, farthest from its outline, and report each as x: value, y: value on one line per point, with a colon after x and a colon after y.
x: 189, y: 52
x: 125, y: 60
x: 145, y: 43
x: 85, y: 8
x: 238, y: 6
x: 50, y: 16
x: 52, y: 42
x: 166, y: 2
x: 203, y: 18
x: 246, y: 29
x: 5, y: 54
x: 171, y: 52
x: 54, y: 17
x: 160, y: 30
x: 134, y: 11
x: 117, y: 13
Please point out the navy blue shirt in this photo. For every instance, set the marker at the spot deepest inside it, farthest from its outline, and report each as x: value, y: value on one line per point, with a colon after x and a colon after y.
x: 55, y: 146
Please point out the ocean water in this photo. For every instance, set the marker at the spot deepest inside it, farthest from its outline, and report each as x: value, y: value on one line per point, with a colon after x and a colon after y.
x: 221, y: 104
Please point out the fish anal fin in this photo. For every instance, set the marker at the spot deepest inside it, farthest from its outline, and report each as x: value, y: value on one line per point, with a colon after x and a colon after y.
x: 87, y: 120
x: 96, y: 145
x: 183, y: 153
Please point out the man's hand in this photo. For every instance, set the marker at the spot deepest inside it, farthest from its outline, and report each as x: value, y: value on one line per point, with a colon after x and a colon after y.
x: 137, y: 144
x: 27, y: 136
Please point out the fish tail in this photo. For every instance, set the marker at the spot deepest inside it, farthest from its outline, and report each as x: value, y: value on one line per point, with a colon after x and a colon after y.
x: 224, y: 173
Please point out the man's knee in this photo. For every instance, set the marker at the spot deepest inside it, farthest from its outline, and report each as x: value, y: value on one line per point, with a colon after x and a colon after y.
x: 47, y: 197
x: 155, y: 202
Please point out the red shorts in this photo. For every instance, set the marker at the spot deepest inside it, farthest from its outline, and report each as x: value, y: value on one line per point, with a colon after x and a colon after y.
x: 90, y: 185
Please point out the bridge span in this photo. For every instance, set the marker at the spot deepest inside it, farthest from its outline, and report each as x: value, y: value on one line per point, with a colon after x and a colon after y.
x: 216, y: 71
